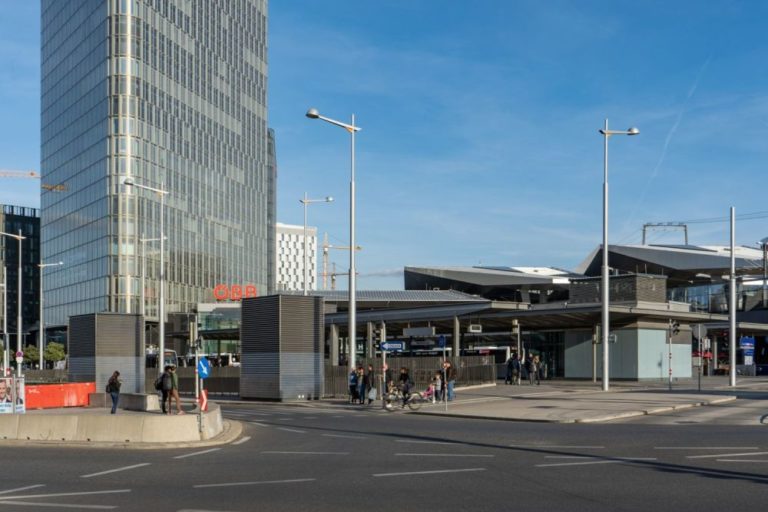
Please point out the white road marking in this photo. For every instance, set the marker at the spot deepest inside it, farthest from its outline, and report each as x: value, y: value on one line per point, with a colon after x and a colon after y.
x: 344, y: 436
x: 568, y: 457
x: 233, y: 484
x: 292, y: 430
x: 58, y: 494
x: 725, y: 455
x: 197, y: 453
x: 436, y: 472
x: 586, y: 463
x: 258, y: 424
x: 241, y: 441
x: 58, y: 505
x: 305, y: 453
x: 558, y: 447
x: 22, y: 488
x: 740, y: 460
x: 442, y: 455
x: 124, y: 468
x: 706, y: 448
x: 424, y: 442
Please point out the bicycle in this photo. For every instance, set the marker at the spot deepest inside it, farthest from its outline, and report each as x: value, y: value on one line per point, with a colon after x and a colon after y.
x: 394, y: 398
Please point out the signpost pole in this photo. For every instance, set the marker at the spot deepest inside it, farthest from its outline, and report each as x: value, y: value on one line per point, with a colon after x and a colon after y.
x: 383, y: 376
x: 701, y: 358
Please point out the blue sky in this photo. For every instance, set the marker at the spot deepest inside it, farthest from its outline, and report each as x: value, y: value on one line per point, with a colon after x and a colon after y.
x: 479, y: 141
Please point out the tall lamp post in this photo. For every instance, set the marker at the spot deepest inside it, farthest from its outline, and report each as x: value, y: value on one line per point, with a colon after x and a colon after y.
x: 161, y: 313
x: 306, y: 202
x: 19, y: 299
x: 764, y: 244
x: 312, y: 113
x: 144, y: 241
x: 41, y: 344
x: 605, y: 327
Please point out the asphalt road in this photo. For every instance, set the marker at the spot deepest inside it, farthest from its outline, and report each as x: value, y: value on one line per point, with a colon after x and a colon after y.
x: 349, y: 458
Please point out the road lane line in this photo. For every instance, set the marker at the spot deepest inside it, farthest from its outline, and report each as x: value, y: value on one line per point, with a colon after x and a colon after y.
x: 442, y: 455
x: 569, y: 457
x: 706, y: 448
x: 234, y: 484
x: 344, y: 436
x: 276, y: 452
x: 557, y: 447
x: 425, y: 442
x: 241, y: 441
x: 746, y: 454
x: 591, y: 462
x: 258, y: 424
x: 59, y: 505
x: 292, y: 430
x: 124, y: 468
x: 197, y: 453
x: 435, y: 472
x: 740, y: 460
x: 22, y: 488
x: 60, y: 494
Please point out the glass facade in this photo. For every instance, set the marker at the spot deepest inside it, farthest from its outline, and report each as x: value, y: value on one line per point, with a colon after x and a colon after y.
x: 173, y: 94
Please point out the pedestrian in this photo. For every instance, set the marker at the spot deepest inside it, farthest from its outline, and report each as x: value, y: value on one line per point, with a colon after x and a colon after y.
x: 510, y: 364
x: 113, y: 388
x: 361, y: 385
x: 370, y: 384
x: 516, y: 369
x: 437, y: 380
x: 353, y: 386
x: 405, y: 383
x: 175, y: 391
x: 450, y: 376
x: 533, y: 373
x: 166, y: 385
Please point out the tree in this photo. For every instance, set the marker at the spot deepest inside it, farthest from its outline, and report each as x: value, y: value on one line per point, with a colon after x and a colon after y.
x: 54, y: 351
x: 31, y: 355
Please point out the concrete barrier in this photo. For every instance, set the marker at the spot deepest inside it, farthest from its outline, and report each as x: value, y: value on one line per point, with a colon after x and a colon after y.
x: 107, y: 428
x: 127, y: 401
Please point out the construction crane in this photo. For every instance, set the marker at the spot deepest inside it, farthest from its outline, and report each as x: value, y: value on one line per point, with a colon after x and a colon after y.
x: 11, y: 173
x: 326, y: 247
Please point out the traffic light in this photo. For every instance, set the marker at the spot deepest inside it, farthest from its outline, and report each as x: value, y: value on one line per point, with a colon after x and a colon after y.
x: 675, y: 328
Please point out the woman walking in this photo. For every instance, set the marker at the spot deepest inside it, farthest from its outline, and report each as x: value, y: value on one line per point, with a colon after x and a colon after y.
x: 113, y: 388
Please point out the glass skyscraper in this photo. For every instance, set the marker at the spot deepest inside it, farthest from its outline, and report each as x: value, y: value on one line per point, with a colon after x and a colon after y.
x: 173, y: 94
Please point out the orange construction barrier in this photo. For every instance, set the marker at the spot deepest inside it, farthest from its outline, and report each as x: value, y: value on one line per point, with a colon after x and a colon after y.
x: 50, y: 396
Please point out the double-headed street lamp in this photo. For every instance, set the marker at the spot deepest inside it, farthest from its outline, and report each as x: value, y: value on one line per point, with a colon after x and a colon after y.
x: 19, y: 299
x: 605, y: 327
x: 312, y: 113
x: 307, y: 202
x: 41, y: 344
x: 161, y: 313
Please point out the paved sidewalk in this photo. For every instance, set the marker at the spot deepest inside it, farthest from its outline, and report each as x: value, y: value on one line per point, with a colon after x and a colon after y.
x: 574, y: 402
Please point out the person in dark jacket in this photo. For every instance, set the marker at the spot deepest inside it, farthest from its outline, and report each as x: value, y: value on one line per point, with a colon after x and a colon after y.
x: 370, y: 383
x: 166, y: 386
x: 353, y: 394
x: 361, y: 384
x: 113, y: 388
x: 405, y: 383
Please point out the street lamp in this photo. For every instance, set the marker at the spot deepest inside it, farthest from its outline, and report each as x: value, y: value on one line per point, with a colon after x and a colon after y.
x: 606, y: 133
x: 19, y: 299
x: 764, y: 244
x: 41, y: 344
x: 312, y: 113
x: 307, y: 202
x: 161, y: 313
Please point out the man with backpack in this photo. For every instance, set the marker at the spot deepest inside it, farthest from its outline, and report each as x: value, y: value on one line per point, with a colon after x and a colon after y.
x: 164, y: 384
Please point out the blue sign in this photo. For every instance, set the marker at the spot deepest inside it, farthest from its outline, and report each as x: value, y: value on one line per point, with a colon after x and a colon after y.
x: 204, y: 368
x: 747, y: 343
x: 393, y: 345
x: 441, y: 341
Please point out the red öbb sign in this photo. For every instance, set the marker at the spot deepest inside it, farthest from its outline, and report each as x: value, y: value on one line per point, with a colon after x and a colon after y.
x: 234, y: 292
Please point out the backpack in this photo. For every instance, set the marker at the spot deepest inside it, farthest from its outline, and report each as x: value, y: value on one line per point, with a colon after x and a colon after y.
x: 159, y: 383
x: 167, y: 382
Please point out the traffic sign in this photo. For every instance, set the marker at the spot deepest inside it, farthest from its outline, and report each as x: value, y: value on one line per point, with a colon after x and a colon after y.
x: 393, y: 345
x: 203, y: 400
x: 204, y: 368
x: 441, y: 341
x: 19, y: 357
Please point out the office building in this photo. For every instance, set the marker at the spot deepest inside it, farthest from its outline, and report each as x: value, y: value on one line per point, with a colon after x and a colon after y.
x: 290, y: 257
x: 20, y: 219
x: 172, y: 94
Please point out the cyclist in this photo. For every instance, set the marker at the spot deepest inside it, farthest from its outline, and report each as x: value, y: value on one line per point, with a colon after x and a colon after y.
x: 405, y: 383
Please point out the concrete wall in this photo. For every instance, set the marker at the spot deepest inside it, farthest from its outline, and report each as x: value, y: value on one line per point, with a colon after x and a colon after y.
x: 654, y: 356
x: 108, y: 428
x: 578, y: 354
